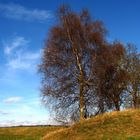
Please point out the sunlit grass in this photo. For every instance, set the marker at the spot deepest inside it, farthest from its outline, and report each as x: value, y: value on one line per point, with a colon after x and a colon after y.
x: 123, y: 125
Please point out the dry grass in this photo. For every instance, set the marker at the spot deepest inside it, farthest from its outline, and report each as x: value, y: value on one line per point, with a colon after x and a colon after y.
x: 124, y: 125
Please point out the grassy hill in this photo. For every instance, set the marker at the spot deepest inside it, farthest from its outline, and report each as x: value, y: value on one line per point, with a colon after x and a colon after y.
x: 124, y: 125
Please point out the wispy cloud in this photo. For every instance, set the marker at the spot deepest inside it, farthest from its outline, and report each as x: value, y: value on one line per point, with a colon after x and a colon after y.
x: 16, y: 11
x: 13, y: 44
x: 24, y: 60
x: 12, y: 99
x: 17, y: 54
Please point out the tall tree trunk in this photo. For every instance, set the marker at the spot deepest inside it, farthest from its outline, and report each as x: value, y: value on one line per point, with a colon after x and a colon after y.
x: 81, y: 75
x: 82, y: 103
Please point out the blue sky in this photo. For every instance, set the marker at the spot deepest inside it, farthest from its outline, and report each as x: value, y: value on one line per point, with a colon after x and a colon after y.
x: 24, y: 25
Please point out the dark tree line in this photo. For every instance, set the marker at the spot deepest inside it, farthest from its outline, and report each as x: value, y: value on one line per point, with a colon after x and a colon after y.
x: 82, y: 73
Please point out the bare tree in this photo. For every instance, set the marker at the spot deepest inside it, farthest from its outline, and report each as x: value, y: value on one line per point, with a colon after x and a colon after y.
x: 82, y: 74
x: 111, y: 76
x: 68, y: 60
x: 132, y: 60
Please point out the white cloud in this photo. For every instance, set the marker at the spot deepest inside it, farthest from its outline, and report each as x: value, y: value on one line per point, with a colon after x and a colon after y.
x: 18, y: 55
x: 13, y: 44
x: 12, y: 99
x: 18, y: 64
x: 24, y: 60
x: 16, y: 11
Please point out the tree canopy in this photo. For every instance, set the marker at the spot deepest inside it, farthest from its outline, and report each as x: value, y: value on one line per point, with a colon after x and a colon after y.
x: 82, y: 73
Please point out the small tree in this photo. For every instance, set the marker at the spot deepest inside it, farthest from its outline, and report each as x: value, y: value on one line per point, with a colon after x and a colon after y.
x: 111, y: 77
x: 132, y: 61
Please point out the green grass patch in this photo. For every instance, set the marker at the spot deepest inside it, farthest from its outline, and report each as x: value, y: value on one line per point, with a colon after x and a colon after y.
x: 26, y: 133
x: 17, y: 137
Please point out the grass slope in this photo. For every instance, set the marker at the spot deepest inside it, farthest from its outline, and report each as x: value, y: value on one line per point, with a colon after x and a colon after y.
x: 124, y: 125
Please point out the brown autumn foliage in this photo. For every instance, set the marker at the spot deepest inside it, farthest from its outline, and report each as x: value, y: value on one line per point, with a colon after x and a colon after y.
x: 111, y: 77
x: 82, y: 73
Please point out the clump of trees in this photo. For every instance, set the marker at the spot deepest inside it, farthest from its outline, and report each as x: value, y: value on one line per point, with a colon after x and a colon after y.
x: 82, y: 73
